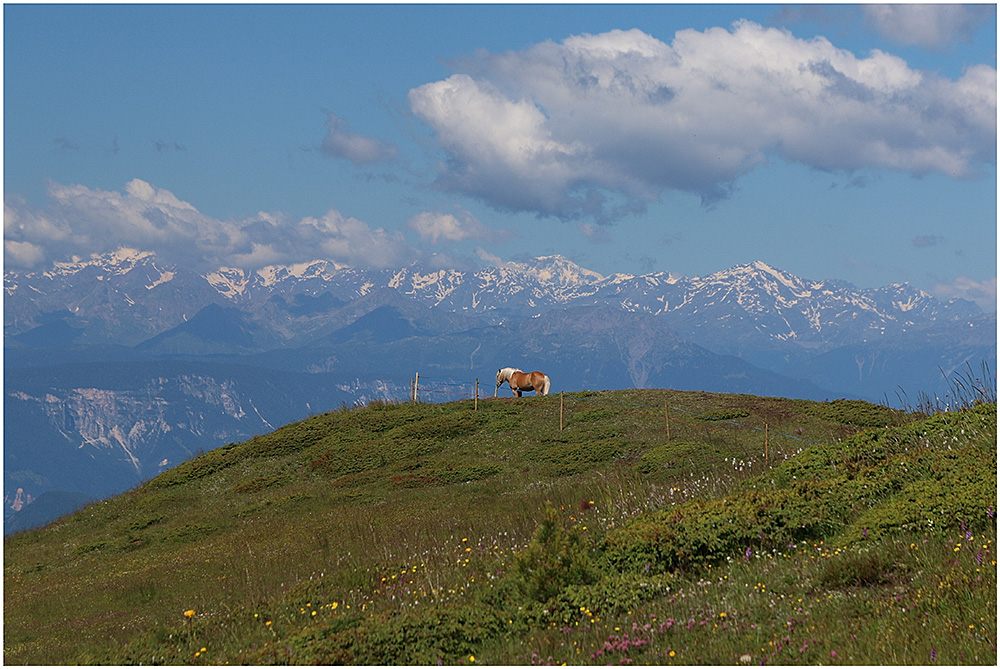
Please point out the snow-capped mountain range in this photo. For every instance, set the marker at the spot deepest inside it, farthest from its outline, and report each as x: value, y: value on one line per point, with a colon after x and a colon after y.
x: 128, y: 296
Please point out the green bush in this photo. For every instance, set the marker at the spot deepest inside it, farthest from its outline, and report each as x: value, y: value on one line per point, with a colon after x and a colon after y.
x: 854, y: 412
x: 699, y: 533
x: 443, y: 635
x: 189, y: 532
x: 557, y: 557
x: 725, y: 414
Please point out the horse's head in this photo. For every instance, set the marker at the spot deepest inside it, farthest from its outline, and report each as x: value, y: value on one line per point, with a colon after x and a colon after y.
x: 500, y: 378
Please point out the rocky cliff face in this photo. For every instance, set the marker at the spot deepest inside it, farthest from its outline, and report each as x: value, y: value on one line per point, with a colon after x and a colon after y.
x: 104, y: 427
x: 16, y: 500
x: 128, y: 424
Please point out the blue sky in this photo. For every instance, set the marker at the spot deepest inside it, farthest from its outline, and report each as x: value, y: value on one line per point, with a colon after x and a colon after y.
x: 831, y: 141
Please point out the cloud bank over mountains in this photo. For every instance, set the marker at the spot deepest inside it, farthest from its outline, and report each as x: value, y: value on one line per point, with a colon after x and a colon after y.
x: 81, y: 221
x: 600, y: 125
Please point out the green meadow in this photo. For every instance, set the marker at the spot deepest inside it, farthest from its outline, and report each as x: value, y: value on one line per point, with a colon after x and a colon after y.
x: 639, y: 526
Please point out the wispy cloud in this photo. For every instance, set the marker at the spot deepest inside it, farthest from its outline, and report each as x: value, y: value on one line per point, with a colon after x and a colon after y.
x: 162, y: 146
x: 600, y: 125
x: 436, y: 227
x: 82, y: 221
x: 595, y: 234
x: 65, y: 145
x: 931, y: 26
x: 341, y: 142
x: 923, y: 241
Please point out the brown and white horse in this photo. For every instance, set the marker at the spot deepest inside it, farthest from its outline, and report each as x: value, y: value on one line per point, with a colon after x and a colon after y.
x: 521, y: 382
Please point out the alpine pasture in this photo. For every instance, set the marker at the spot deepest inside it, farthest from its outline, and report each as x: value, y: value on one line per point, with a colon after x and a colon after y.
x: 761, y: 530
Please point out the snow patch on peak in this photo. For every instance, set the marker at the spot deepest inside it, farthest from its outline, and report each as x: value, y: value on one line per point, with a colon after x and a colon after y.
x: 273, y: 274
x: 165, y: 276
x: 557, y: 269
x: 229, y: 281
x: 121, y: 261
x: 126, y: 256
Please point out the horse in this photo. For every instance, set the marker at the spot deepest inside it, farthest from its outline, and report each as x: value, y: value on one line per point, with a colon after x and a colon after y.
x: 519, y: 381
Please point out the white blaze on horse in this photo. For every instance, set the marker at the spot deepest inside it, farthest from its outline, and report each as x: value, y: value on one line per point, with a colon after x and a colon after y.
x: 520, y: 382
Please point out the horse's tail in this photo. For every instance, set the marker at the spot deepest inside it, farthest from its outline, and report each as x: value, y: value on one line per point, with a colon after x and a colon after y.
x: 545, y: 385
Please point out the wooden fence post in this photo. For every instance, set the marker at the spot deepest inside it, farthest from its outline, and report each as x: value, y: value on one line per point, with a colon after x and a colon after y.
x: 476, y: 405
x: 416, y: 382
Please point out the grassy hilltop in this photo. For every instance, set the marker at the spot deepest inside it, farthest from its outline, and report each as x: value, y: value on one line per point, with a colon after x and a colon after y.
x: 760, y: 530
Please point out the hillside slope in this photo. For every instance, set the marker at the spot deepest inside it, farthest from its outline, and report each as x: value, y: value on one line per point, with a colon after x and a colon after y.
x: 628, y: 526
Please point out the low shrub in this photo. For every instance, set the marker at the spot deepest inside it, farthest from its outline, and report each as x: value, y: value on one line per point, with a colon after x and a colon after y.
x: 560, y: 458
x: 699, y: 533
x: 443, y: 635
x: 557, y: 557
x: 855, y: 412
x: 725, y: 414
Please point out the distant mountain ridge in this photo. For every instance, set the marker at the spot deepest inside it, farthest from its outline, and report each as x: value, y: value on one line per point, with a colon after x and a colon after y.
x: 115, y: 295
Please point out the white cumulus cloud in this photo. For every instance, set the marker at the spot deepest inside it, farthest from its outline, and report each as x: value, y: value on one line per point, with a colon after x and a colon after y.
x: 601, y: 125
